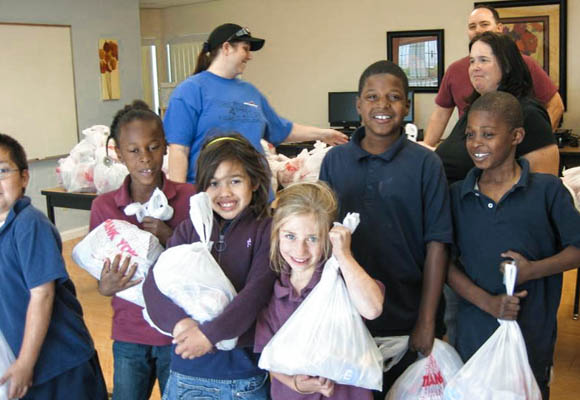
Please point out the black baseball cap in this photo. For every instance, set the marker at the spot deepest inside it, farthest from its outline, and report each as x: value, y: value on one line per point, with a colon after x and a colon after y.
x: 232, y: 33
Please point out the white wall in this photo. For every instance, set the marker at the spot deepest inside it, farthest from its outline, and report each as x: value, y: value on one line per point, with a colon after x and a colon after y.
x: 90, y: 20
x: 316, y: 46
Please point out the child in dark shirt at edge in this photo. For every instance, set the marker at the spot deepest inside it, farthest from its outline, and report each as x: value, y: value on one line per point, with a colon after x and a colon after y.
x: 40, y: 316
x: 140, y: 353
x: 302, y: 240
x: 503, y: 211
x: 237, y: 179
x: 400, y: 191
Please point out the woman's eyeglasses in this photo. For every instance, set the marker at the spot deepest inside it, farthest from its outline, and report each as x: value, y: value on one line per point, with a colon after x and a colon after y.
x: 241, y: 32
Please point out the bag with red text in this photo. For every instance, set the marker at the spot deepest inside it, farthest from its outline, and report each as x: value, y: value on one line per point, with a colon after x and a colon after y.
x: 190, y: 276
x: 111, y: 238
x: 6, y: 360
x: 427, y: 377
x: 499, y: 370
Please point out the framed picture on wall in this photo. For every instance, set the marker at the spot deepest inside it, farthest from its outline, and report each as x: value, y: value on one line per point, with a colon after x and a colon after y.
x: 539, y: 29
x: 420, y: 55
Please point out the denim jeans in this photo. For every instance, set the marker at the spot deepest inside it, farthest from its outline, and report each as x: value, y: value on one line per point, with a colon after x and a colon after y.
x: 136, y: 367
x: 182, y: 387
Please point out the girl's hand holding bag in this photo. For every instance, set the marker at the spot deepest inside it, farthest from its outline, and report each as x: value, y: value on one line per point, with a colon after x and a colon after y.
x: 190, y: 276
x: 326, y: 336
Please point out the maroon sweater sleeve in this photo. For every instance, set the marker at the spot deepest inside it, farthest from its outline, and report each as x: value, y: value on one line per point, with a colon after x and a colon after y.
x: 240, y: 315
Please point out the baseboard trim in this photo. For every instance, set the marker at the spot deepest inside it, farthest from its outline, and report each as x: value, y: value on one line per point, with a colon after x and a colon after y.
x: 74, y: 233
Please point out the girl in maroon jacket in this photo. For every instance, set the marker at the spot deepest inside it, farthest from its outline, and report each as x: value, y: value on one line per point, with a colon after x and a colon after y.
x: 237, y: 179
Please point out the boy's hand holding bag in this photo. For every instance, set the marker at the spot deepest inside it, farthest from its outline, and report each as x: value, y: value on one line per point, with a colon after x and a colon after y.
x: 499, y: 370
x: 190, y: 276
x: 111, y: 238
x: 326, y: 336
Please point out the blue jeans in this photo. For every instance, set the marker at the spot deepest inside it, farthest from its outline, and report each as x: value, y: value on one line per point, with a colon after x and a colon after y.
x: 136, y: 367
x: 182, y: 387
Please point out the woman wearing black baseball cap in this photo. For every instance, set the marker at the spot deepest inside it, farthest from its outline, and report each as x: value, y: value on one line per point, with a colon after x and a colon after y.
x: 213, y: 101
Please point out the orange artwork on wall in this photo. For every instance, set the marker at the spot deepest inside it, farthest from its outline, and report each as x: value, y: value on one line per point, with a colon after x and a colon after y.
x: 109, y: 65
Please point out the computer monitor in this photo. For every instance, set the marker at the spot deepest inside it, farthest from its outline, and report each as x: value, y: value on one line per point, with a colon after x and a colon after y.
x: 342, y: 110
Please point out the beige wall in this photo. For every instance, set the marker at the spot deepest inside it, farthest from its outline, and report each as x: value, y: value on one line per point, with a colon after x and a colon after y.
x: 316, y: 46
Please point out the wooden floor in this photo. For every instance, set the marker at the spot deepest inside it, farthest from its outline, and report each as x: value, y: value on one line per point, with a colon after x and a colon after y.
x: 565, y: 386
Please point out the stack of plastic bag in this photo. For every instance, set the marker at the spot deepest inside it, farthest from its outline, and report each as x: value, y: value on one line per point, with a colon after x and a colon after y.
x: 6, y: 360
x: 111, y: 238
x: 108, y: 173
x: 305, y: 167
x: 190, y: 276
x: 427, y: 377
x: 571, y: 179
x: 77, y: 172
x: 156, y: 207
x: 499, y: 370
x: 326, y: 336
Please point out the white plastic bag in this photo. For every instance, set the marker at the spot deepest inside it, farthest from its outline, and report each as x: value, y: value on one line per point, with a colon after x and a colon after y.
x: 190, y: 276
x: 305, y: 167
x: 392, y: 348
x: 326, y: 335
x: 499, y: 370
x: 6, y: 360
x: 108, y: 174
x: 426, y: 378
x: 157, y: 207
x: 571, y: 180
x: 111, y: 238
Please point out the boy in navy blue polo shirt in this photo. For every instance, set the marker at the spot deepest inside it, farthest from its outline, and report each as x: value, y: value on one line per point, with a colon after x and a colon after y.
x: 500, y: 211
x: 401, y: 193
x: 39, y: 313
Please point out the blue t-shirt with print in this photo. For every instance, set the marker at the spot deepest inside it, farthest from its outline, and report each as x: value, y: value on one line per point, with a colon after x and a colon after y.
x: 208, y: 105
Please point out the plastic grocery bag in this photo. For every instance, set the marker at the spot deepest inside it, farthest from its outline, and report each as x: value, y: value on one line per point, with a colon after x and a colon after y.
x: 426, y: 378
x: 499, y: 370
x: 305, y: 167
x: 111, y: 238
x: 157, y: 207
x: 108, y: 174
x: 571, y: 180
x: 6, y: 360
x: 392, y: 348
x: 326, y: 336
x: 190, y: 276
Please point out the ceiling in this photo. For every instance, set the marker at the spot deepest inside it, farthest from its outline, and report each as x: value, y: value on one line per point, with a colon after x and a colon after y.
x: 168, y: 3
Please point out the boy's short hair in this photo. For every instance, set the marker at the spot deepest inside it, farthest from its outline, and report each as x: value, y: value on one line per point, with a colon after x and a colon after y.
x: 308, y: 198
x: 502, y: 105
x: 493, y: 11
x: 15, y: 150
x: 234, y: 147
x: 383, y: 67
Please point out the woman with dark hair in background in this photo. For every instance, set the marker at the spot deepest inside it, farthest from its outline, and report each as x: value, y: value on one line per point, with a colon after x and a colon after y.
x: 213, y: 101
x: 495, y: 63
